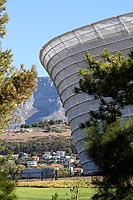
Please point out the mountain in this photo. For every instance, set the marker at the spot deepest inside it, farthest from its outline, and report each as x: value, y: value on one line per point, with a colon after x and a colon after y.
x: 43, y: 104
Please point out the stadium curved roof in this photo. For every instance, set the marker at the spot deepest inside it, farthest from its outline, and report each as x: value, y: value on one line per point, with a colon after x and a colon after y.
x: 103, y: 29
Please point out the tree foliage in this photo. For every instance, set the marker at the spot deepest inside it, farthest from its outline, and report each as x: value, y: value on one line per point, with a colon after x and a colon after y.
x: 109, y: 138
x: 16, y: 86
x: 7, y: 186
x: 109, y: 79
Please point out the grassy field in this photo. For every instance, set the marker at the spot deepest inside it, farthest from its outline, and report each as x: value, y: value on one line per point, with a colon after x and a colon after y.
x: 44, y: 190
x: 31, y: 193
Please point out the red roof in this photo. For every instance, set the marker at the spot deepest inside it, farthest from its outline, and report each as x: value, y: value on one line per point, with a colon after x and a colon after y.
x: 77, y: 169
x: 35, y: 157
x: 56, y: 165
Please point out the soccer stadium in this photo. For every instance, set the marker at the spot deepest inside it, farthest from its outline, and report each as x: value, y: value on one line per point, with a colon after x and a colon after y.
x: 64, y: 55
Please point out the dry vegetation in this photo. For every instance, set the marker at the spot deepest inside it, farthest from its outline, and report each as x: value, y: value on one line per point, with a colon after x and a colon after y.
x: 11, y: 135
x: 37, y: 140
x: 82, y: 182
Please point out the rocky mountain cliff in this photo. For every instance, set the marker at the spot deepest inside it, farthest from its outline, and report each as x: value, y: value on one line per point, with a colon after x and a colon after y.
x: 43, y: 104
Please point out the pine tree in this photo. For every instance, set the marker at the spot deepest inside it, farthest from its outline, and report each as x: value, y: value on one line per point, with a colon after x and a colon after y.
x: 7, y: 186
x: 110, y: 139
x: 110, y: 80
x: 16, y: 86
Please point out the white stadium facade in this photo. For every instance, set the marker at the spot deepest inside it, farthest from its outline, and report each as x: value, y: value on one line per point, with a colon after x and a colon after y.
x: 64, y: 55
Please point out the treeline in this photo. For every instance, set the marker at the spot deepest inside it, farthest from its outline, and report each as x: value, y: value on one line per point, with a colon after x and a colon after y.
x: 44, y: 124
x: 38, y: 146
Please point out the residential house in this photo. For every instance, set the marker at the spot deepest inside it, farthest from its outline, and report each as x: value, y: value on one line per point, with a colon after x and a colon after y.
x: 35, y: 158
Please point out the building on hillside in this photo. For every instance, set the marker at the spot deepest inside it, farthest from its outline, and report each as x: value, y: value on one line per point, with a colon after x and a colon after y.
x: 56, y: 165
x: 64, y: 55
x: 25, y: 159
x: 37, y: 173
x: 60, y: 153
x: 31, y: 163
x: 47, y: 155
x: 35, y: 158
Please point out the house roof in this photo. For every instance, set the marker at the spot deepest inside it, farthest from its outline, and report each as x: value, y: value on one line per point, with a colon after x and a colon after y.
x: 78, y: 169
x: 35, y: 156
x: 56, y: 165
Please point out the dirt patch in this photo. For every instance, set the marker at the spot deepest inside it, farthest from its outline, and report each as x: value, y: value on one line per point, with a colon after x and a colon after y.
x: 24, y: 136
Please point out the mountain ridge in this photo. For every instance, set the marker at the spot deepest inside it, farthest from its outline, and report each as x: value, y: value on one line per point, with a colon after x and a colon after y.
x: 43, y: 104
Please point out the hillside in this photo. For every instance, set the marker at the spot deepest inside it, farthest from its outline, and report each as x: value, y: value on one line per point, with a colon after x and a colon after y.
x: 43, y: 104
x: 23, y: 136
x: 36, y: 141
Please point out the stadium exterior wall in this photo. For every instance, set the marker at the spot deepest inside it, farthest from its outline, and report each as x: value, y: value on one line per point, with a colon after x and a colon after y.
x: 64, y: 55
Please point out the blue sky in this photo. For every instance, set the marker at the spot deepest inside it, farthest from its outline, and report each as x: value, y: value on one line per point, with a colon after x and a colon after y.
x: 34, y: 22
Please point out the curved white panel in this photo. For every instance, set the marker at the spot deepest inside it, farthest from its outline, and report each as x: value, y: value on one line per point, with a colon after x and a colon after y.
x: 64, y: 55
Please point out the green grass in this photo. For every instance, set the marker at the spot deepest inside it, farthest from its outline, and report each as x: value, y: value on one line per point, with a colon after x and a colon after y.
x: 31, y: 193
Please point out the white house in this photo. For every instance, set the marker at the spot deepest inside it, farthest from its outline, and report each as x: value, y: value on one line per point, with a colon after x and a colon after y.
x: 31, y: 163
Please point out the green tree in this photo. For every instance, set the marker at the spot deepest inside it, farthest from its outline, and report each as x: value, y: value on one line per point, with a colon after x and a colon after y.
x: 16, y: 86
x: 110, y: 80
x: 109, y: 139
x: 68, y: 151
x: 112, y: 151
x: 7, y: 186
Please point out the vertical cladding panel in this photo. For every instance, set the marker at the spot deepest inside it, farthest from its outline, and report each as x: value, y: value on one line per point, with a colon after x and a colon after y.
x: 78, y: 109
x: 80, y: 146
x: 62, y: 68
x: 58, y: 73
x: 76, y: 122
x: 76, y: 98
x: 66, y: 89
x: 83, y: 155
x: 112, y: 45
x: 125, y: 111
x: 50, y: 66
x: 57, y: 48
x: 67, y: 93
x: 68, y: 82
x: 64, y: 54
x: 57, y: 76
x: 130, y: 108
x: 71, y: 69
x: 67, y: 56
x: 72, y: 113
x: 89, y: 167
x: 53, y: 61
